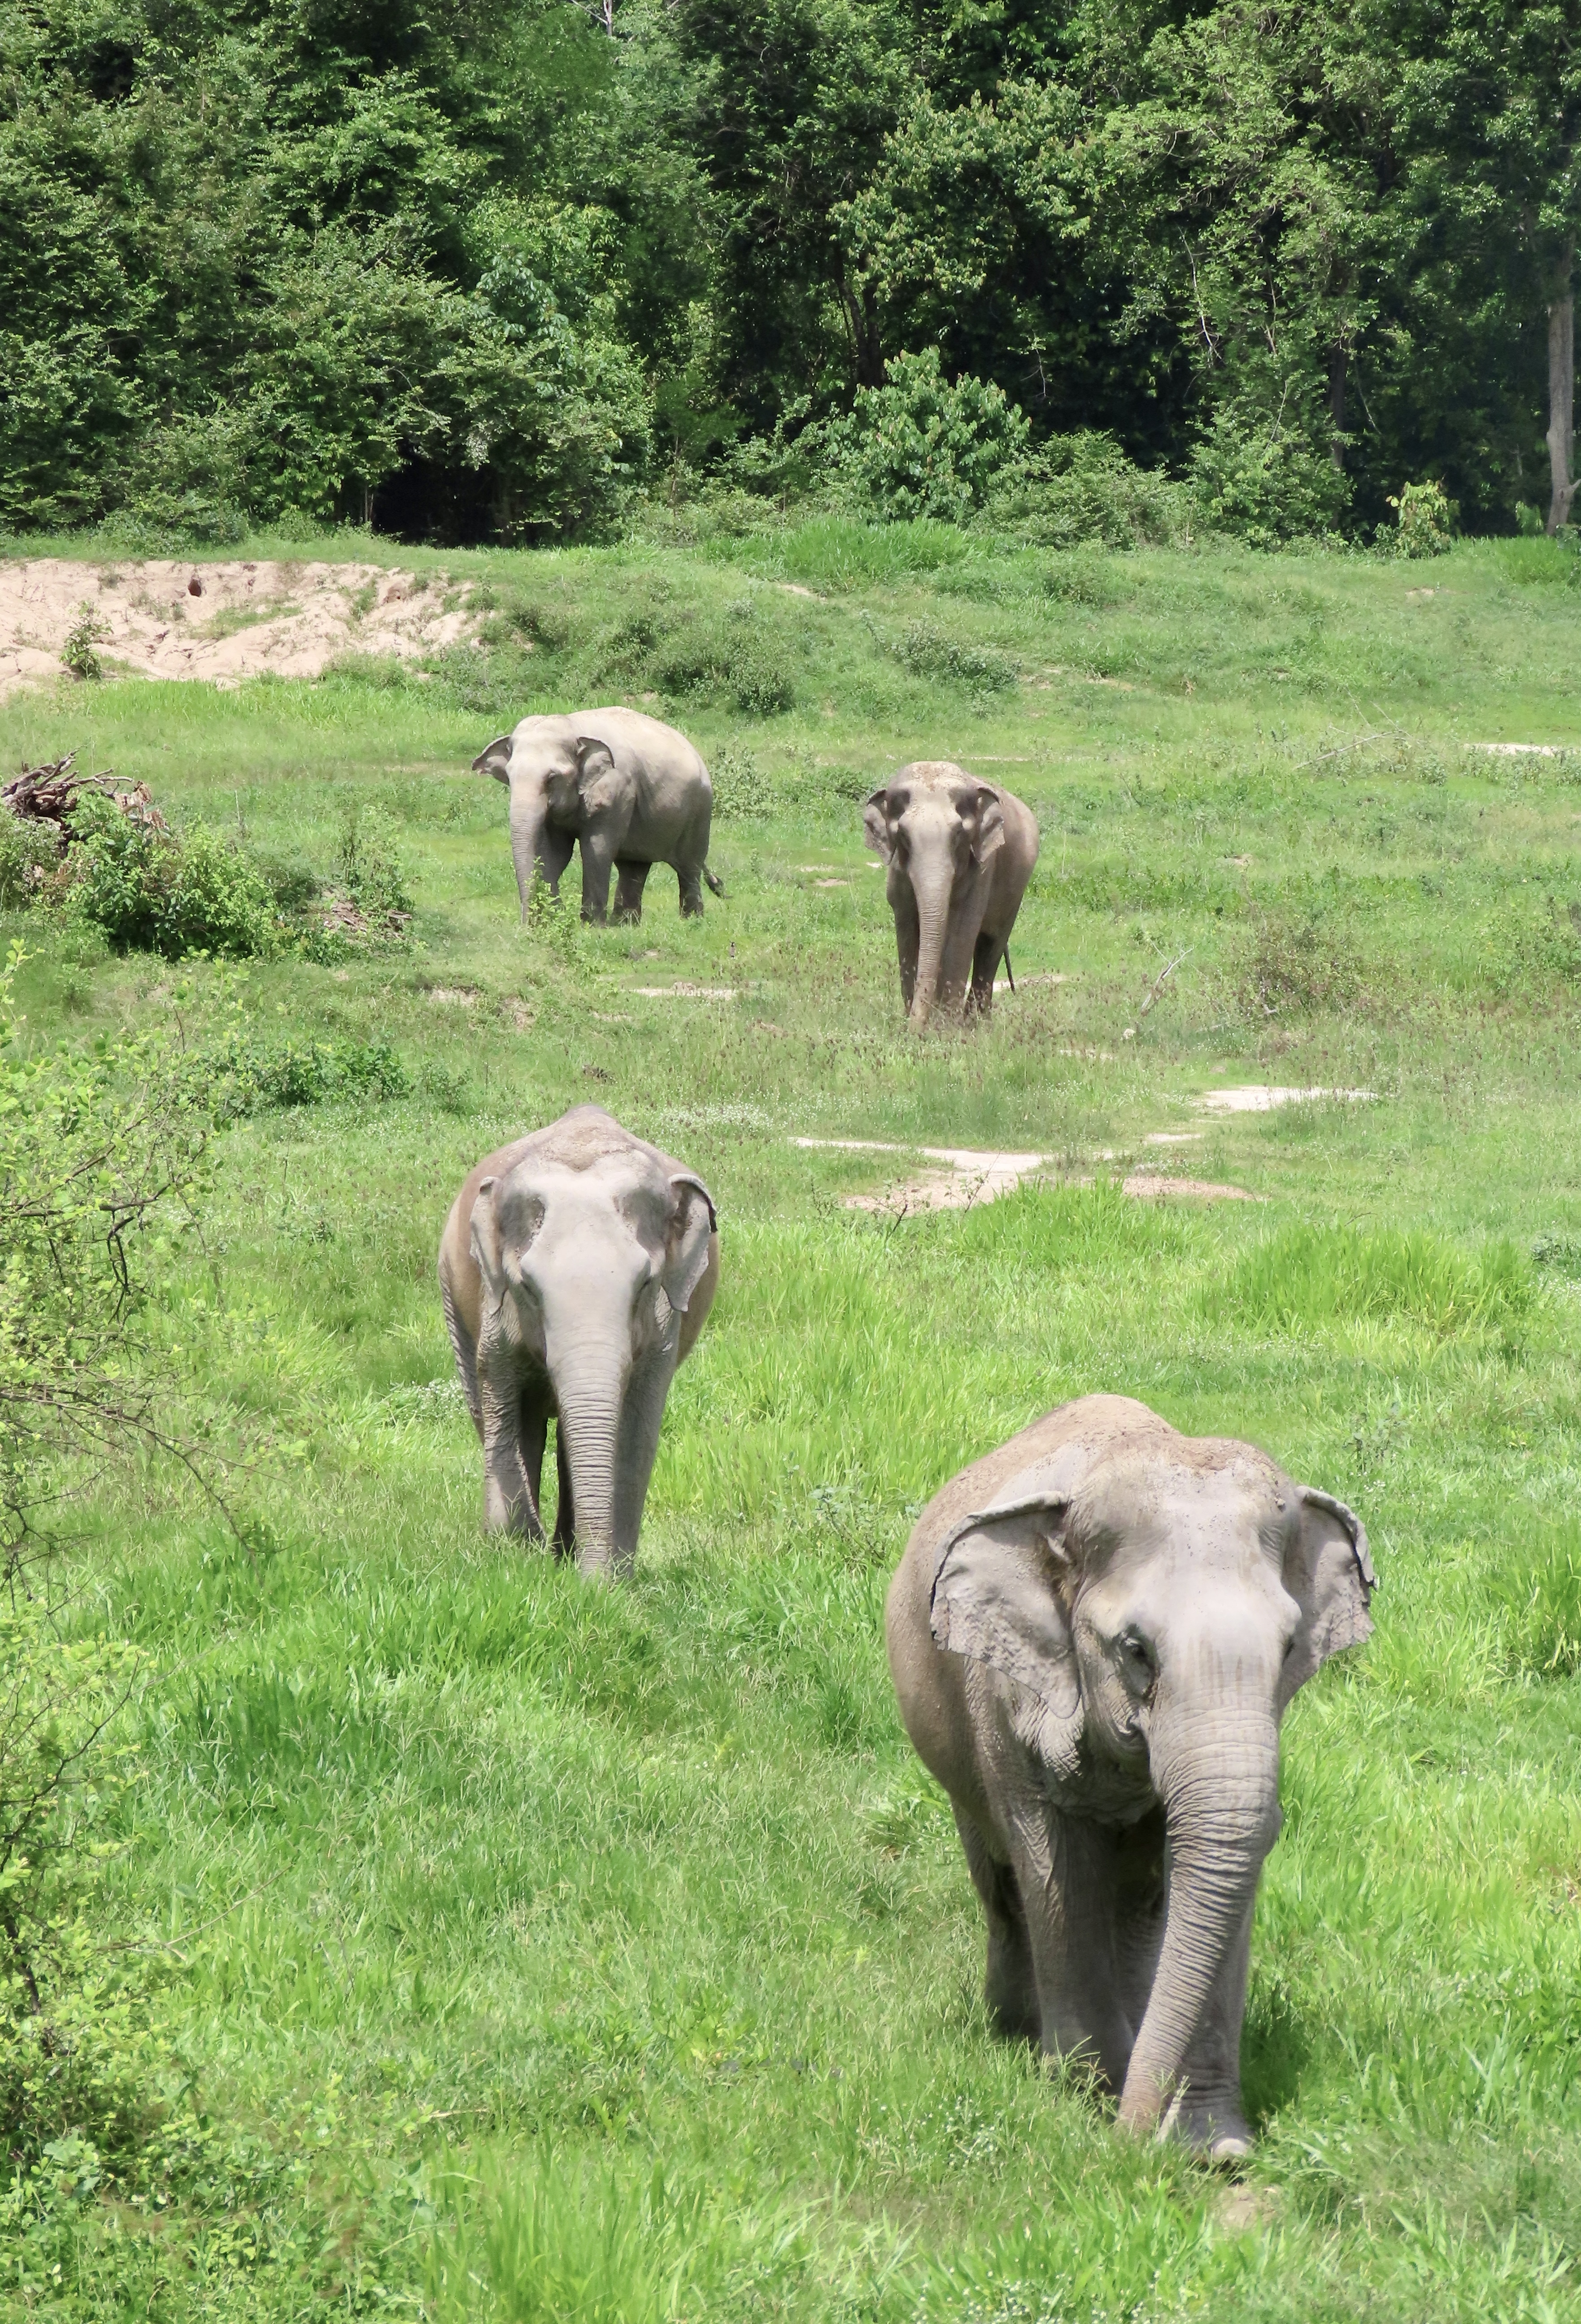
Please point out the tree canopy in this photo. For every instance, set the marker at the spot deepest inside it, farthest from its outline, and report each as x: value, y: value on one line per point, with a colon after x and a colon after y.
x: 467, y: 270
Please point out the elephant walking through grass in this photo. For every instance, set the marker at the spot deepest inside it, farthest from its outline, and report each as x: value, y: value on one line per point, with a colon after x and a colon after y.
x: 1093, y: 1635
x: 576, y: 1269
x: 958, y: 854
x: 627, y: 790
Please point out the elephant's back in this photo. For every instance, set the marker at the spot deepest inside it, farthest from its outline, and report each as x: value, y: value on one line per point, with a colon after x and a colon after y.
x: 650, y: 738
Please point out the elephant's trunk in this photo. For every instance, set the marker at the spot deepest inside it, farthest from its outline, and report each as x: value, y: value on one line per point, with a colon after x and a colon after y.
x: 931, y: 886
x: 589, y: 1385
x: 1218, y: 1780
x: 529, y: 815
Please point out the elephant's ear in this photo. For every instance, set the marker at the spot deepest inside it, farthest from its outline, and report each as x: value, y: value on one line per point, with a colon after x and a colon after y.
x: 692, y: 1222
x: 996, y: 1598
x: 1328, y: 1572
x: 989, y: 836
x: 875, y: 824
x: 487, y: 1249
x: 495, y: 760
x: 598, y: 777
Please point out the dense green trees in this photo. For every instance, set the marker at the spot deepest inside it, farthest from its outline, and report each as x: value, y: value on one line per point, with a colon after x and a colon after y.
x: 472, y: 267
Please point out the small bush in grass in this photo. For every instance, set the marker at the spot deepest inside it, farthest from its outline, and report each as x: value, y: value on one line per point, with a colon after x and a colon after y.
x: 1424, y: 522
x: 742, y: 791
x: 1558, y: 1254
x: 30, y: 859
x: 1080, y: 488
x: 1292, y: 966
x: 928, y: 652
x: 169, y: 892
x: 1304, y: 1277
x: 924, y: 445
x: 371, y: 864
x: 244, y: 1075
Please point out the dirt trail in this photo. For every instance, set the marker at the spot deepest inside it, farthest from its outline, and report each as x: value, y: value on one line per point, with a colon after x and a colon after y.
x: 243, y: 617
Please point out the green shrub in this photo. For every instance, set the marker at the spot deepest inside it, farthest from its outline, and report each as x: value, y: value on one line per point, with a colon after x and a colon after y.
x: 1301, y: 1276
x: 1424, y: 520
x: 1264, y: 483
x: 157, y: 890
x: 244, y: 1075
x: 87, y: 632
x: 1082, y: 488
x: 928, y: 652
x: 923, y: 446
x: 30, y: 857
x: 372, y: 866
x: 742, y: 791
x: 1292, y: 966
x: 733, y: 658
x: 1558, y: 1254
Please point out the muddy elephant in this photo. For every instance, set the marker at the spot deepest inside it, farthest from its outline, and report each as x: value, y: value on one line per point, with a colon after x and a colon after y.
x: 629, y: 790
x: 576, y: 1269
x: 959, y: 853
x: 1093, y: 1634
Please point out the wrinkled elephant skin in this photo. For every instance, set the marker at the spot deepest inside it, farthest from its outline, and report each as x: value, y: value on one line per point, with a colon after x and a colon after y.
x: 1093, y: 1635
x: 958, y: 854
x: 576, y: 1269
x: 628, y: 790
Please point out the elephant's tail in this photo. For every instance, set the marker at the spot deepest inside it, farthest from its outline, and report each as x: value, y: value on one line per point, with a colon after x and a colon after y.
x: 1008, y: 970
x: 714, y: 881
x: 465, y: 1356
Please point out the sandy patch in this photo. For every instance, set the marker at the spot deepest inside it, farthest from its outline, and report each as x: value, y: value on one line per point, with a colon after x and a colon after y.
x: 1147, y: 1186
x: 1174, y: 1137
x: 1050, y: 976
x: 454, y: 996
x: 1522, y: 749
x: 685, y: 991
x: 1259, y: 1097
x: 831, y: 883
x: 242, y: 618
x: 974, y: 1175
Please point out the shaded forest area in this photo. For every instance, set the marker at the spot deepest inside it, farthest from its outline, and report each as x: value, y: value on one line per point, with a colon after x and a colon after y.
x: 496, y: 269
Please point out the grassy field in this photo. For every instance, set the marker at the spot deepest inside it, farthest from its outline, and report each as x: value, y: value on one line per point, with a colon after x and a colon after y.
x: 528, y: 1951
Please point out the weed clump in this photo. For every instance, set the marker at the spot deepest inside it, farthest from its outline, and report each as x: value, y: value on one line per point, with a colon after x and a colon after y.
x: 1296, y: 967
x: 152, y: 889
x: 928, y: 652
x: 1541, y: 1595
x: 742, y: 790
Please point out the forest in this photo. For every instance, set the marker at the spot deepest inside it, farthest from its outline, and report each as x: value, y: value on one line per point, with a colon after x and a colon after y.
x: 463, y: 271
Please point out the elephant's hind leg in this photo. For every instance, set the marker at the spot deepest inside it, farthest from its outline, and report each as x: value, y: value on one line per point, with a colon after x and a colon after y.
x: 1011, y: 1988
x: 690, y: 878
x: 629, y: 880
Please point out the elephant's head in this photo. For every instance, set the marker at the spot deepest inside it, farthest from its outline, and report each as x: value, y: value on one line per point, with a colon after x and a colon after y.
x: 1160, y: 1600
x: 939, y: 827
x: 554, y: 776
x: 590, y: 1271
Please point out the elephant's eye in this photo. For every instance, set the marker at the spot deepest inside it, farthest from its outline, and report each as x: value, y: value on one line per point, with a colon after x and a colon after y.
x: 1136, y: 1659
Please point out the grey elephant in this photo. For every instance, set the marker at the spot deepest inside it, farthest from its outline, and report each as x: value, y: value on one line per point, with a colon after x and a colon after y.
x: 576, y: 1269
x: 959, y: 853
x: 628, y: 790
x: 1093, y: 1634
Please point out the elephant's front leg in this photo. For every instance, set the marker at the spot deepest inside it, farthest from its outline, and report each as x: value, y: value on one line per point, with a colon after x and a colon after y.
x: 509, y: 1472
x: 1010, y: 1985
x: 1065, y: 1873
x: 599, y: 848
x: 630, y: 880
x: 986, y: 957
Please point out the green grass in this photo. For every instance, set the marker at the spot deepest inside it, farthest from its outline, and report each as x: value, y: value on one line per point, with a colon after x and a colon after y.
x: 544, y: 1953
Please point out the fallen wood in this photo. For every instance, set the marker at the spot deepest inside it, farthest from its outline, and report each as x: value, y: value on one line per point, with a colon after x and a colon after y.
x: 50, y: 794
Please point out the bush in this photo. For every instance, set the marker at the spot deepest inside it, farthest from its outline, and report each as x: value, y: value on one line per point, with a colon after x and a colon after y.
x: 156, y: 891
x: 923, y: 446
x: 1264, y: 483
x: 928, y: 652
x: 242, y: 1075
x: 30, y: 859
x: 753, y: 672
x: 1424, y: 519
x: 1292, y: 966
x: 742, y: 791
x: 372, y: 866
x: 1082, y: 488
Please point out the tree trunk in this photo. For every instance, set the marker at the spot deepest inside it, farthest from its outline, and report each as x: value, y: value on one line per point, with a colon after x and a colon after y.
x: 1561, y: 427
x: 1336, y: 370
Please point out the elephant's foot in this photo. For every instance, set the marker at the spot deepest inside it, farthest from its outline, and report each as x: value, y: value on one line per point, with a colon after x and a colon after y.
x: 1216, y: 2127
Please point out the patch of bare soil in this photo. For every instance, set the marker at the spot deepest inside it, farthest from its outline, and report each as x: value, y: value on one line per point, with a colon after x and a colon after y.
x: 160, y: 618
x: 1148, y: 1187
x: 974, y: 1176
x: 681, y: 991
x: 1260, y: 1097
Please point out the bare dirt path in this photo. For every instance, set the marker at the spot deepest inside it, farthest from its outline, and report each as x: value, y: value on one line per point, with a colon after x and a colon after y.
x: 164, y: 618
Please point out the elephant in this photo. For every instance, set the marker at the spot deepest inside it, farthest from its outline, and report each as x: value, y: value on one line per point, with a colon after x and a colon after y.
x: 1094, y: 1633
x: 959, y: 854
x: 629, y: 788
x: 577, y: 1267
